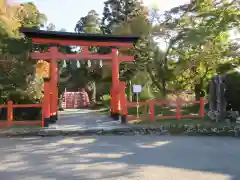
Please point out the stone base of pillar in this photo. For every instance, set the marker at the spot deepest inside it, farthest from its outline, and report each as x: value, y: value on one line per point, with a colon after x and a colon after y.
x: 115, y: 116
x: 53, y: 119
x: 46, y: 122
x: 123, y: 119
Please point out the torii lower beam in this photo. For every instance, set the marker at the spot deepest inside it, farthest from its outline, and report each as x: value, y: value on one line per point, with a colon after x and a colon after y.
x: 45, y: 56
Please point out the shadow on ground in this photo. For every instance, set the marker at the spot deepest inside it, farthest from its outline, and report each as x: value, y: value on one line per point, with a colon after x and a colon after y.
x: 120, y: 157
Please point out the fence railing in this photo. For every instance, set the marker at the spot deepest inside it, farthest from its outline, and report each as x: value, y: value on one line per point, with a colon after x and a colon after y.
x: 10, y: 120
x: 176, y: 105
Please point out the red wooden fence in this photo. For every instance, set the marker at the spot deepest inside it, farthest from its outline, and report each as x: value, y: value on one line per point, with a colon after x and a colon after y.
x: 178, y: 103
x: 10, y: 120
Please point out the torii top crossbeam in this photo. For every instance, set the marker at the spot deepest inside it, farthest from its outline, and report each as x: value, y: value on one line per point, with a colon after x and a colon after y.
x: 67, y: 38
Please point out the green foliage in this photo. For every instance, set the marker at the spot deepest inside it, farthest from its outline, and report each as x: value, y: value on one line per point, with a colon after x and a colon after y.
x: 19, y: 97
x: 89, y: 23
x: 17, y: 79
x: 146, y: 94
x: 198, y: 40
x: 196, y: 36
x: 116, y: 12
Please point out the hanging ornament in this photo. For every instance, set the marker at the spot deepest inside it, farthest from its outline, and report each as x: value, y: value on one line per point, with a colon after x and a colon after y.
x: 64, y: 64
x: 78, y: 64
x: 89, y: 63
x: 101, y: 63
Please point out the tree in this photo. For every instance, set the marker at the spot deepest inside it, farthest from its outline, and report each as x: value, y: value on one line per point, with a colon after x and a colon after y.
x: 14, y: 16
x: 90, y: 24
x: 131, y: 18
x: 117, y: 11
x: 14, y: 49
x: 9, y: 25
x: 188, y: 29
x: 51, y: 27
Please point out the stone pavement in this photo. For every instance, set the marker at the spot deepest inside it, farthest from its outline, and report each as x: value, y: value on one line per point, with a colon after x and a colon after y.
x: 120, y: 158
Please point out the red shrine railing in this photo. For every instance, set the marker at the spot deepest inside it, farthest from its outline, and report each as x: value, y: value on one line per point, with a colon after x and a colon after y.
x: 150, y: 107
x: 176, y: 107
x: 10, y: 120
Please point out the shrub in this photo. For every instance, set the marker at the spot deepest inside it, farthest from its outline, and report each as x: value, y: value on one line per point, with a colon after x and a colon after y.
x: 28, y: 113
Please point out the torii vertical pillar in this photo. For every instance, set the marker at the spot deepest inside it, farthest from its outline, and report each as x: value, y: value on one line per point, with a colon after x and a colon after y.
x: 46, y: 102
x: 115, y: 107
x: 54, y: 84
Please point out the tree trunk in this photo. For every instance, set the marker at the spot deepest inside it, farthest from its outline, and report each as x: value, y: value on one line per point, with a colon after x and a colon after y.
x: 155, y: 81
x: 212, y: 95
x: 164, y: 89
x: 98, y: 97
x: 197, y: 90
x: 92, y: 92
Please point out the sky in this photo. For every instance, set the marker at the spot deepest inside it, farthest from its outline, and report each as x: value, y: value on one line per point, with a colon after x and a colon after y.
x: 66, y: 13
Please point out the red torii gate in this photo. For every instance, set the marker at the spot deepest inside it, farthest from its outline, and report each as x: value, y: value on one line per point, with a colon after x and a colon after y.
x: 53, y: 39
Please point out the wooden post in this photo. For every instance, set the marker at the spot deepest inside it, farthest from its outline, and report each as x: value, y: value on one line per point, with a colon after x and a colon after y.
x: 201, y: 113
x: 151, y: 105
x: 10, y: 113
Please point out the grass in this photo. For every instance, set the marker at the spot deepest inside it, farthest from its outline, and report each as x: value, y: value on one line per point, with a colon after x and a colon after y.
x: 193, y: 121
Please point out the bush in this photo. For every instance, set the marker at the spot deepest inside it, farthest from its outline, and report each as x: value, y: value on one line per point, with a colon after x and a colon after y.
x: 146, y: 94
x: 27, y: 113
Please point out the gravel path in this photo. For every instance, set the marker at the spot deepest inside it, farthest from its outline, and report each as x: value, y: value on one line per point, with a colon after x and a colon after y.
x: 84, y: 119
x: 120, y: 158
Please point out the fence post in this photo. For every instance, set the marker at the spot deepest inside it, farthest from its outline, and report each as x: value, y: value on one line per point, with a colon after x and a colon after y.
x: 10, y: 112
x: 178, y: 108
x: 201, y: 112
x: 151, y: 110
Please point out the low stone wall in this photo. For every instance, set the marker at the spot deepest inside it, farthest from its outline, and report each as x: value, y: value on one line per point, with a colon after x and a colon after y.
x: 191, y: 130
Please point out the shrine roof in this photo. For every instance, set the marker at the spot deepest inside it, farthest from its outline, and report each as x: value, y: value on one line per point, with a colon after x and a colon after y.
x: 69, y: 36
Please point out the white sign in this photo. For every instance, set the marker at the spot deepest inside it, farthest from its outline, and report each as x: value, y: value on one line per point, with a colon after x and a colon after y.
x: 137, y: 88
